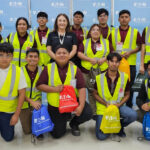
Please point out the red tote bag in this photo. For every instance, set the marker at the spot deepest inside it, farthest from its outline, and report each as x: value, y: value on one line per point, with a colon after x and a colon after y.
x: 67, y: 100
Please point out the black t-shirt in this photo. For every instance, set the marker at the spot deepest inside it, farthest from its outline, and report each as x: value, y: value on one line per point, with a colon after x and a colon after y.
x: 69, y: 40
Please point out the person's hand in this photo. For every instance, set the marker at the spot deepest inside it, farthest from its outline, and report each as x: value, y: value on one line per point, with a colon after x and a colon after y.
x: 118, y: 105
x: 14, y: 119
x: 78, y: 111
x: 59, y: 88
x: 71, y: 62
x: 145, y: 107
x: 126, y: 55
x: 93, y: 61
x: 101, y: 61
x: 36, y: 105
x: 142, y: 70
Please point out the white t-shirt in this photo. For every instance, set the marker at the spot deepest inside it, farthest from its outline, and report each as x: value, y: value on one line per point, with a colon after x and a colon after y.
x: 3, y: 75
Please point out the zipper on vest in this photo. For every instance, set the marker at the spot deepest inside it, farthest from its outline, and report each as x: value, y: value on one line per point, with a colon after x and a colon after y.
x: 30, y: 94
x: 19, y: 57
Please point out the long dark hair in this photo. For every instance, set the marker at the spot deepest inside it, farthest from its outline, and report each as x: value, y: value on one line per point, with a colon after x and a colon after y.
x: 68, y: 23
x: 22, y: 18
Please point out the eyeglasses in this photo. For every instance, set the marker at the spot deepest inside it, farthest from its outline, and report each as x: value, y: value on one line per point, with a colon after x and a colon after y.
x: 7, y: 56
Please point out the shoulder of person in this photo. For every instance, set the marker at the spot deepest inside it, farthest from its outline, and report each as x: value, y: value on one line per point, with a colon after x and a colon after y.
x: 70, y: 33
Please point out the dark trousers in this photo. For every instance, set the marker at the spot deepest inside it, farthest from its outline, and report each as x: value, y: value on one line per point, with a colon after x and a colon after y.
x: 60, y: 120
x: 132, y: 77
x: 6, y: 131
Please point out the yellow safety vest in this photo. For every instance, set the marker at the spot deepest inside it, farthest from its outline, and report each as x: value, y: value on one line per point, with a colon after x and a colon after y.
x: 128, y: 45
x: 147, y: 45
x: 109, y: 32
x: 44, y: 57
x: 19, y: 55
x: 85, y: 32
x: 99, y: 54
x: 9, y: 90
x: 31, y: 90
x: 104, y: 93
x: 54, y: 80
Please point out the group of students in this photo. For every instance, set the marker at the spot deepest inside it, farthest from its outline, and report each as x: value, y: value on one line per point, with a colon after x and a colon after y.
x: 44, y: 61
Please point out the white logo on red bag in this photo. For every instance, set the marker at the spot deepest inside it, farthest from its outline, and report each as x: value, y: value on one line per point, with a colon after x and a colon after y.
x: 65, y: 97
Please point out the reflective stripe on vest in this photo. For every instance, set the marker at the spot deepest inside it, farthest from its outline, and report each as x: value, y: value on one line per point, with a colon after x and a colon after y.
x: 17, y: 59
x: 11, y: 86
x: 98, y: 55
x: 131, y: 39
x: 13, y: 35
x: 55, y: 80
x: 102, y: 85
x: 87, y: 43
x: 31, y: 90
x: 44, y: 57
x: 147, y: 37
x: 20, y: 54
x: 34, y: 89
x: 52, y: 73
x: 84, y: 32
x: 147, y: 43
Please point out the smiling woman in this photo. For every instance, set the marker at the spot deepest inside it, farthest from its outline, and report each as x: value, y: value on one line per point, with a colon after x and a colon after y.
x: 61, y: 36
x: 21, y: 41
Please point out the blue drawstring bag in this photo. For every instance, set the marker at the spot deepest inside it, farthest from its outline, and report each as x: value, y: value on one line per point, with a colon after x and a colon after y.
x: 41, y: 121
x: 146, y: 126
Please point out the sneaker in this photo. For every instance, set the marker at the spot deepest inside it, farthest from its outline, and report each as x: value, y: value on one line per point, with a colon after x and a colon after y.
x: 40, y: 137
x: 115, y: 137
x: 75, y: 130
x: 122, y: 133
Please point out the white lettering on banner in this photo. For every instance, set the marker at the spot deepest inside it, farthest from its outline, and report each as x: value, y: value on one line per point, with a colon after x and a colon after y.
x: 15, y: 4
x: 53, y: 19
x: 94, y: 20
x: 84, y: 12
x: 12, y: 19
x: 57, y: 4
x: 140, y: 4
x: 35, y: 12
x: 117, y: 12
x: 140, y: 20
x: 1, y: 12
x: 99, y: 4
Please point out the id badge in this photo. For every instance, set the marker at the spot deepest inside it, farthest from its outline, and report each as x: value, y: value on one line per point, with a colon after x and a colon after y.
x: 121, y: 92
x: 98, y: 47
x: 73, y: 83
x: 44, y: 40
x: 119, y: 46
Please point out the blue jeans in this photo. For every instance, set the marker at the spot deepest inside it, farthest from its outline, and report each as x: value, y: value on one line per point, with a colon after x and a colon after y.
x: 6, y: 131
x: 127, y: 114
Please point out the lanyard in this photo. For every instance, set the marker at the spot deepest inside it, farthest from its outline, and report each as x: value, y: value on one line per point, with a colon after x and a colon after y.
x: 61, y: 40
